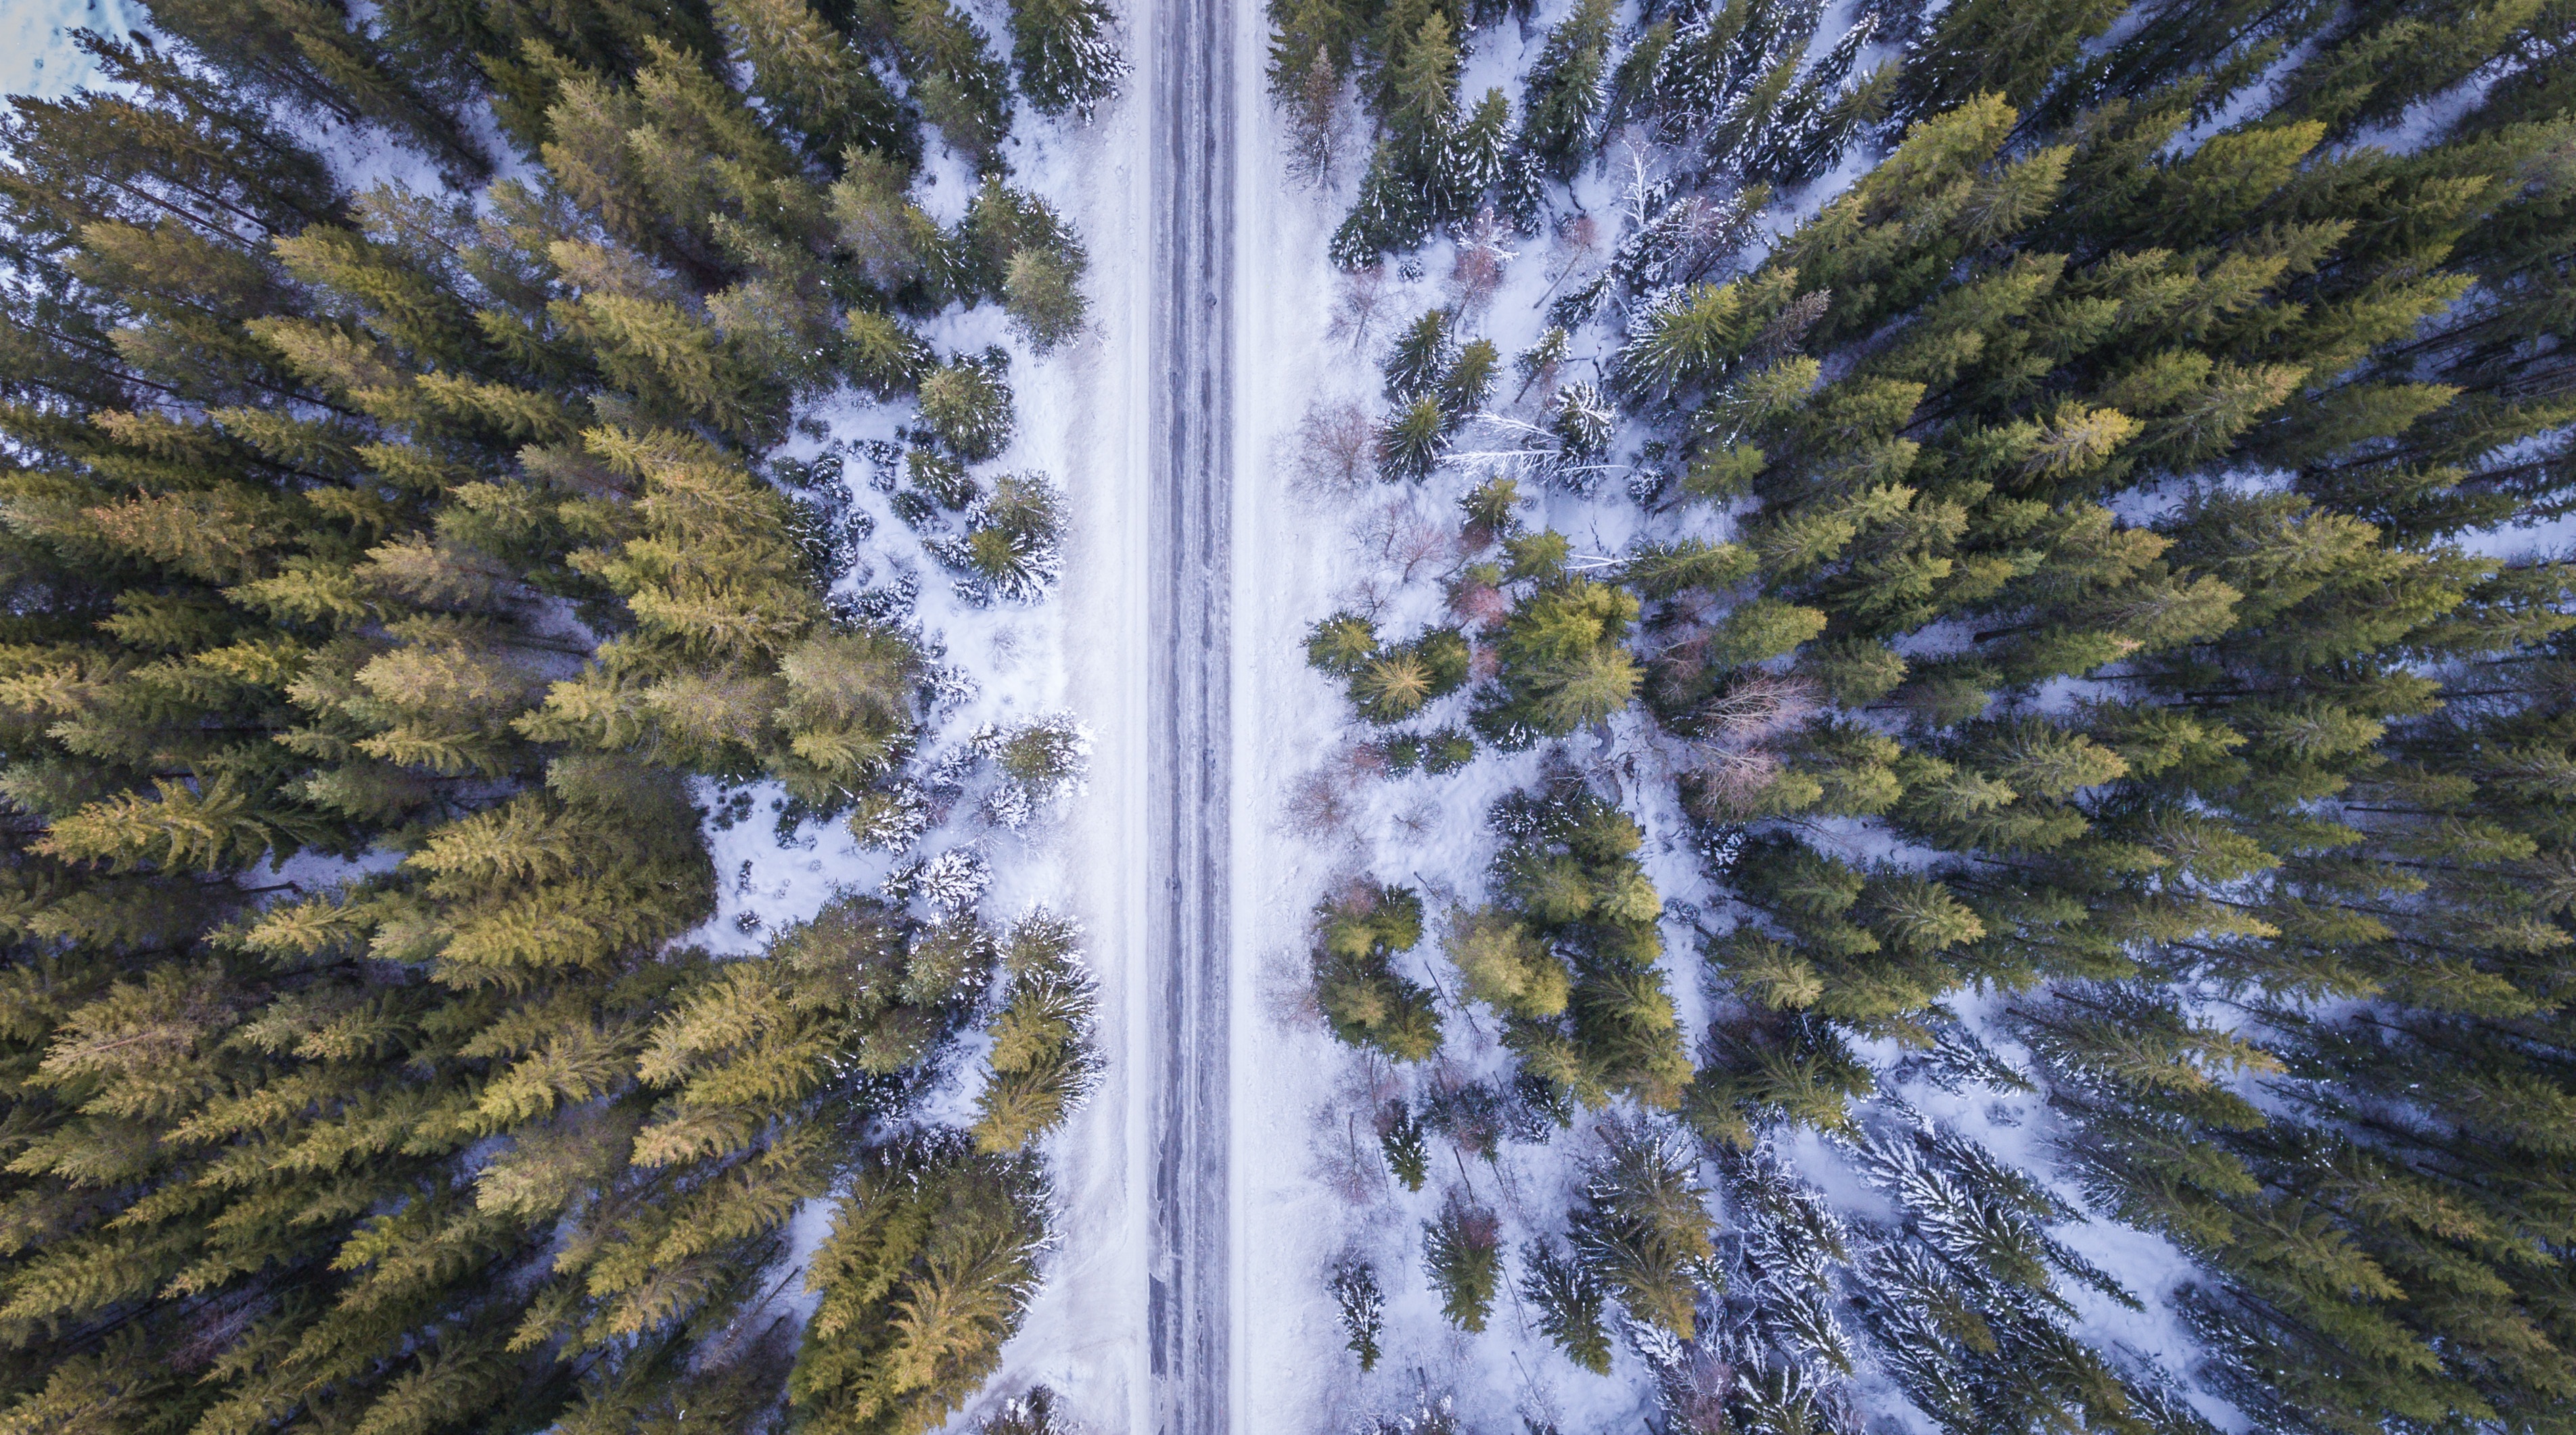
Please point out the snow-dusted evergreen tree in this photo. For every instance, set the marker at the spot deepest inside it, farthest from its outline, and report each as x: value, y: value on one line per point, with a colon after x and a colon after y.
x: 1040, y: 761
x: 1043, y: 1061
x: 966, y: 405
x: 1572, y: 1305
x: 1402, y: 1140
x: 1569, y: 89
x: 1394, y: 212
x: 1065, y: 56
x: 1362, y: 1303
x: 1010, y: 547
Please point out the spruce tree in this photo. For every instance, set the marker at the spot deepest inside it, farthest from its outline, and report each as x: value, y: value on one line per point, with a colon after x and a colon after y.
x: 961, y: 88
x: 1568, y: 88
x: 817, y: 81
x: 1462, y: 1252
x: 921, y: 1281
x: 1366, y: 1001
x: 1362, y: 1305
x: 1064, y: 55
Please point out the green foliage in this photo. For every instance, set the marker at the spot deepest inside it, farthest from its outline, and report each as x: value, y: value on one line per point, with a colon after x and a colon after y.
x: 1438, y: 753
x: 1462, y: 1252
x: 1340, y: 644
x: 1399, y: 680
x: 1568, y: 955
x: 1363, y: 997
x: 1644, y: 1229
x: 930, y: 1259
x: 1571, y: 1304
x: 1501, y: 964
x: 967, y: 406
x: 959, y: 85
x: 1567, y: 90
x: 1400, y: 1137
x: 431, y: 528
x: 893, y: 247
x: 1413, y: 438
x: 1565, y: 662
x: 1009, y: 548
x: 1392, y: 213
x: 1389, y: 683
x: 1042, y: 1058
x: 1043, y: 292
x: 1065, y: 56
x: 1017, y: 249
x: 820, y: 87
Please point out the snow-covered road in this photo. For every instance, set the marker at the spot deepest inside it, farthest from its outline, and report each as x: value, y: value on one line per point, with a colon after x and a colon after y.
x: 1189, y: 1311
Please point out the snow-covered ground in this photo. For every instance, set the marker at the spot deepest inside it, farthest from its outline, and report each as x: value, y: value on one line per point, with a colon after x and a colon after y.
x: 1083, y: 415
x: 1309, y: 813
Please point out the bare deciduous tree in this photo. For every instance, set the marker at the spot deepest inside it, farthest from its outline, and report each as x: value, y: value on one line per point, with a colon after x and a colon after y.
x: 1362, y: 300
x: 1408, y: 541
x: 1336, y: 446
x: 1731, y: 757
x: 1482, y: 258
x: 1314, y: 109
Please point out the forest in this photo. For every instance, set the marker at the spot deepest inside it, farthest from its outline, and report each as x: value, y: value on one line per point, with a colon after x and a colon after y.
x: 393, y: 567
x: 2031, y: 522
x: 1964, y: 660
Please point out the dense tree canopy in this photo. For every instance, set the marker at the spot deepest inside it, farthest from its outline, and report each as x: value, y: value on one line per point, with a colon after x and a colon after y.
x: 2089, y: 507
x: 381, y: 569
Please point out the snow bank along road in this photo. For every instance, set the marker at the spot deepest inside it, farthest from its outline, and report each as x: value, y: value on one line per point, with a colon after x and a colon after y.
x: 1188, y: 1314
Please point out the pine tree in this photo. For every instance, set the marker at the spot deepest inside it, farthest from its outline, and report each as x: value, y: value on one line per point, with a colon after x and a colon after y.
x: 1363, y: 997
x: 1018, y: 250
x: 1422, y: 97
x: 1363, y: 1310
x: 1564, y: 662
x: 818, y: 84
x: 891, y: 244
x: 967, y: 405
x: 1393, y: 213
x: 1569, y: 88
x: 1065, y: 56
x: 312, y: 54
x: 1643, y: 1231
x: 1502, y: 965
x: 921, y: 1281
x: 1570, y: 1306
x: 1400, y: 1136
x: 1571, y: 883
x: 1309, y: 57
x: 961, y: 88
x: 1462, y: 1252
